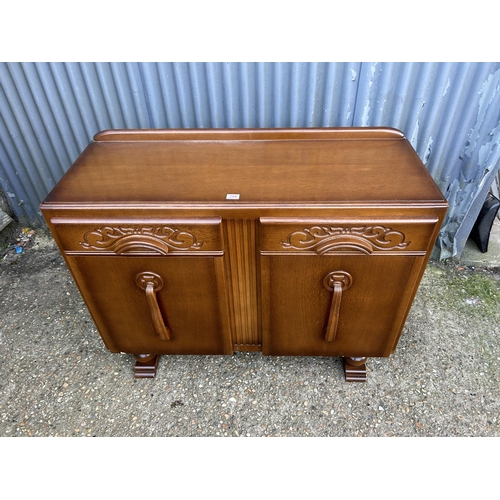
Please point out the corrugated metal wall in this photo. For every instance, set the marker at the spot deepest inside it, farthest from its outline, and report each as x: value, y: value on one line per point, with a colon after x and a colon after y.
x: 449, y: 111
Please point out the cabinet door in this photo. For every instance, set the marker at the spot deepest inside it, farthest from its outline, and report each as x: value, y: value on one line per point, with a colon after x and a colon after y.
x: 153, y: 286
x: 340, y: 287
x: 343, y: 305
x: 160, y: 305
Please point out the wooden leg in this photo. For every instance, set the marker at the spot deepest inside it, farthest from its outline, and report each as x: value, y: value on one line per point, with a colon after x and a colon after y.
x: 146, y: 365
x: 355, y: 369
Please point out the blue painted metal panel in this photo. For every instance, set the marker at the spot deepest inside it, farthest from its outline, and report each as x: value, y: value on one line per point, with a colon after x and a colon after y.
x: 450, y: 112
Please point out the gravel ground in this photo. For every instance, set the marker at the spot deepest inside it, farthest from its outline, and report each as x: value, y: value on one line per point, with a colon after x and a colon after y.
x: 58, y: 379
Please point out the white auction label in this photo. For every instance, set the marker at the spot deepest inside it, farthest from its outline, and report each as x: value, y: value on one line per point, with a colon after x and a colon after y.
x: 232, y: 196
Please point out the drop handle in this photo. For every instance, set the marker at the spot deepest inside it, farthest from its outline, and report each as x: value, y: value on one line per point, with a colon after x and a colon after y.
x: 336, y: 282
x: 152, y: 283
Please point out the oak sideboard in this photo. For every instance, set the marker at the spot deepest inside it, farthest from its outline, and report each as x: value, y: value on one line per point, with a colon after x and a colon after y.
x: 293, y: 242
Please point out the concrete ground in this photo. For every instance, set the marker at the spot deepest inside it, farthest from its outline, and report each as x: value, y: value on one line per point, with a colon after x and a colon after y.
x: 472, y: 256
x: 58, y: 379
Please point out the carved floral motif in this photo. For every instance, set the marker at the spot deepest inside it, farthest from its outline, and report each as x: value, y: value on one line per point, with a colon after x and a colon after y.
x: 160, y: 239
x: 365, y: 238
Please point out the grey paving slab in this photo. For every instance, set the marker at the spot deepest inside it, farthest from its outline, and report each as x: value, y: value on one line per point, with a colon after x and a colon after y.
x: 472, y: 256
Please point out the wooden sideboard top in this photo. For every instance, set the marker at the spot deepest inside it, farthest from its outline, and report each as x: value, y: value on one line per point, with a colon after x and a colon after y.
x: 325, y: 166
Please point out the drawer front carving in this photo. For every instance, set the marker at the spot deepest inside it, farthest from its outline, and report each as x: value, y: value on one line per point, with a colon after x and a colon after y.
x: 321, y: 237
x: 131, y: 237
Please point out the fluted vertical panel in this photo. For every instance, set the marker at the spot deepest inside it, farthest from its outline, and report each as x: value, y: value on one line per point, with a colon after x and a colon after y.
x: 241, y: 262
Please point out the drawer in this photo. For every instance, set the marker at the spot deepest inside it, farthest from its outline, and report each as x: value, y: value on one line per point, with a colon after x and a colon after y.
x: 327, y: 236
x: 139, y: 237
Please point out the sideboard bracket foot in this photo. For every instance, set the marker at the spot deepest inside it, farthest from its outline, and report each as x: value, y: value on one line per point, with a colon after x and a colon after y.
x: 355, y: 369
x: 146, y: 365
